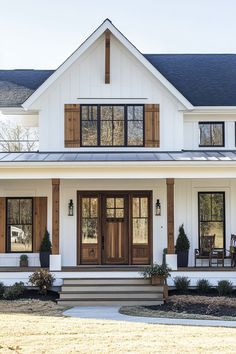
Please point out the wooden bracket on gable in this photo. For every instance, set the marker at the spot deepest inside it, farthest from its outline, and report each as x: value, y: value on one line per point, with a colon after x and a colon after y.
x: 107, y: 56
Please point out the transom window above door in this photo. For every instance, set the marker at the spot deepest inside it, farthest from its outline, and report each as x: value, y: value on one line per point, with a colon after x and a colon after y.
x: 112, y: 125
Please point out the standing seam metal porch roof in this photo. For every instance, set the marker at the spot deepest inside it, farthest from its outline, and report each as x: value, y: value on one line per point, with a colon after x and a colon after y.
x: 67, y: 157
x: 203, y: 79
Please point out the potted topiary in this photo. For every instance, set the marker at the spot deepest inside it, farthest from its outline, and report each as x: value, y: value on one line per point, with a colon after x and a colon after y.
x: 24, y: 260
x: 45, y: 250
x: 182, y: 248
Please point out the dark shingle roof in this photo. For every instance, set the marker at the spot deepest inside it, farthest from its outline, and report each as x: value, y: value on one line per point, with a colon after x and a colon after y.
x: 17, y: 85
x: 204, y: 79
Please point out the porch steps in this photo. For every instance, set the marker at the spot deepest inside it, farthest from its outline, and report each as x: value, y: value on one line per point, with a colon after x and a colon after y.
x: 109, y: 291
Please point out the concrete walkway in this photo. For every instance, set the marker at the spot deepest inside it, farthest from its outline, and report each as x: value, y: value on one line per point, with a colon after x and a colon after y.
x: 112, y: 313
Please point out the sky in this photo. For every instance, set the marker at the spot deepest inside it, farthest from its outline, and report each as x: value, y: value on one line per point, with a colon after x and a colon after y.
x: 41, y: 34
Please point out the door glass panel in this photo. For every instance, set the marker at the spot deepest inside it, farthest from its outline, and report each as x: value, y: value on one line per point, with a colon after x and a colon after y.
x: 140, y: 220
x: 89, y: 220
x: 115, y: 207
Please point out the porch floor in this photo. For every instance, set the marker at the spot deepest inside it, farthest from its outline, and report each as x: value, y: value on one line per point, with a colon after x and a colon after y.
x: 116, y: 268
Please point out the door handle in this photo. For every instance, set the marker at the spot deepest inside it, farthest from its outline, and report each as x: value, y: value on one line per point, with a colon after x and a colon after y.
x: 103, y: 242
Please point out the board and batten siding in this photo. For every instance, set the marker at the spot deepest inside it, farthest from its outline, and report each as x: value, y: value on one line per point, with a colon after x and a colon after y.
x: 72, y: 125
x: 83, y: 83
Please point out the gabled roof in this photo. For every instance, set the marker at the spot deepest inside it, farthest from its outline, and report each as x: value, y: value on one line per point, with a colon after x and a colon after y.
x: 106, y: 25
x: 195, y: 79
x: 204, y: 79
x: 17, y: 85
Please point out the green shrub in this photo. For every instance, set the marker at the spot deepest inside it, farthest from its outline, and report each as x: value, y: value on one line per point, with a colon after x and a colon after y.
x: 203, y: 286
x: 46, y: 245
x: 182, y: 284
x: 14, y: 291
x: 182, y: 242
x: 43, y: 279
x: 24, y: 258
x: 2, y: 289
x: 224, y: 287
x: 160, y: 270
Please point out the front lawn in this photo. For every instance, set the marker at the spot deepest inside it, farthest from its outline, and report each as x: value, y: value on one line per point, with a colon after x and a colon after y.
x: 25, y: 329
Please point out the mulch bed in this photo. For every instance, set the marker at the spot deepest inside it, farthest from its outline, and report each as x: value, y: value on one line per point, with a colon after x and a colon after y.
x: 33, y: 294
x: 202, y: 305
x: 189, y: 306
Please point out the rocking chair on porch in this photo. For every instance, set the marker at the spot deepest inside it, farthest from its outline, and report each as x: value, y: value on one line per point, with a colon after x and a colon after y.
x: 207, y: 251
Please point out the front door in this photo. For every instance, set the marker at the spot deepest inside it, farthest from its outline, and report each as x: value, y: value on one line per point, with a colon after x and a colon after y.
x: 115, y: 229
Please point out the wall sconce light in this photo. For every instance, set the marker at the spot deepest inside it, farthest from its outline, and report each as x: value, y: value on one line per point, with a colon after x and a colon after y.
x: 158, y: 207
x: 70, y: 208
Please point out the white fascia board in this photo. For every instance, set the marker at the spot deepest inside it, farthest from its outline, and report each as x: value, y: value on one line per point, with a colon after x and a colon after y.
x: 16, y: 111
x: 116, y: 171
x: 85, y: 45
x: 212, y: 109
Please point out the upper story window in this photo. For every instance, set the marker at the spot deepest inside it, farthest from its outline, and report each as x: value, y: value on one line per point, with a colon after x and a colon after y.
x: 211, y: 134
x: 112, y: 125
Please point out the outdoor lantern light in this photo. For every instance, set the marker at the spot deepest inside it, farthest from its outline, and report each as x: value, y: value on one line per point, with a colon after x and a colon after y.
x: 70, y: 208
x: 158, y: 208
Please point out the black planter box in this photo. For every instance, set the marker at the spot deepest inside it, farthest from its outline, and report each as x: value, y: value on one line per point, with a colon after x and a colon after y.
x: 44, y: 259
x: 182, y: 258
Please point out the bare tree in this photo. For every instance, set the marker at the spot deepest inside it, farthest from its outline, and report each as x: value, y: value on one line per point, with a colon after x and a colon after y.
x: 15, y: 137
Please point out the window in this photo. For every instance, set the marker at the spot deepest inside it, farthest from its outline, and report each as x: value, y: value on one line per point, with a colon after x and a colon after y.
x: 211, y: 134
x: 19, y: 225
x: 112, y: 125
x: 212, y: 216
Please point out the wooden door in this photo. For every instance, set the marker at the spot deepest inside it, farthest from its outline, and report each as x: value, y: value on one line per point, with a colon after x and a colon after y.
x: 115, y: 229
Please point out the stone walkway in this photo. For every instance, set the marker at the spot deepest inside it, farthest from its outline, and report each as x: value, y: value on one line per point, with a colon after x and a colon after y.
x: 112, y: 313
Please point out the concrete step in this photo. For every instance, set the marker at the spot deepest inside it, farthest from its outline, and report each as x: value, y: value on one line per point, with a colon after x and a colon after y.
x: 108, y: 302
x: 106, y: 281
x: 113, y: 288
x: 111, y: 295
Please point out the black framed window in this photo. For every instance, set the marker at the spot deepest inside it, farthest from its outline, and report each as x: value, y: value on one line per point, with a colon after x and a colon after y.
x: 212, y: 216
x: 19, y: 225
x: 211, y: 134
x: 112, y: 125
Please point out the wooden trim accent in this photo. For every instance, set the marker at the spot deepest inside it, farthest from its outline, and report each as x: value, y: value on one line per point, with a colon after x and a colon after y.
x: 2, y: 224
x: 170, y: 216
x: 107, y: 56
x: 39, y: 221
x: 72, y: 125
x: 55, y: 215
x: 152, y: 125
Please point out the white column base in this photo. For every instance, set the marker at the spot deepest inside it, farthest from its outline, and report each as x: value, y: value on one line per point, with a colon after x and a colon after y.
x: 55, y: 262
x: 171, y: 260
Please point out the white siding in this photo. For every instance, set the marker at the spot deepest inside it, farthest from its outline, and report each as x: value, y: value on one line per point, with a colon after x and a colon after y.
x: 131, y: 82
x: 191, y: 130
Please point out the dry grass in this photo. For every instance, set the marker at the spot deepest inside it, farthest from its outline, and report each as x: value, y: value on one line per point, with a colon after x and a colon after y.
x: 27, y: 333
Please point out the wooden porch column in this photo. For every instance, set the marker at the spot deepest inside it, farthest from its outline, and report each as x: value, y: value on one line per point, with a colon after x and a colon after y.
x: 55, y: 215
x: 170, y: 216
